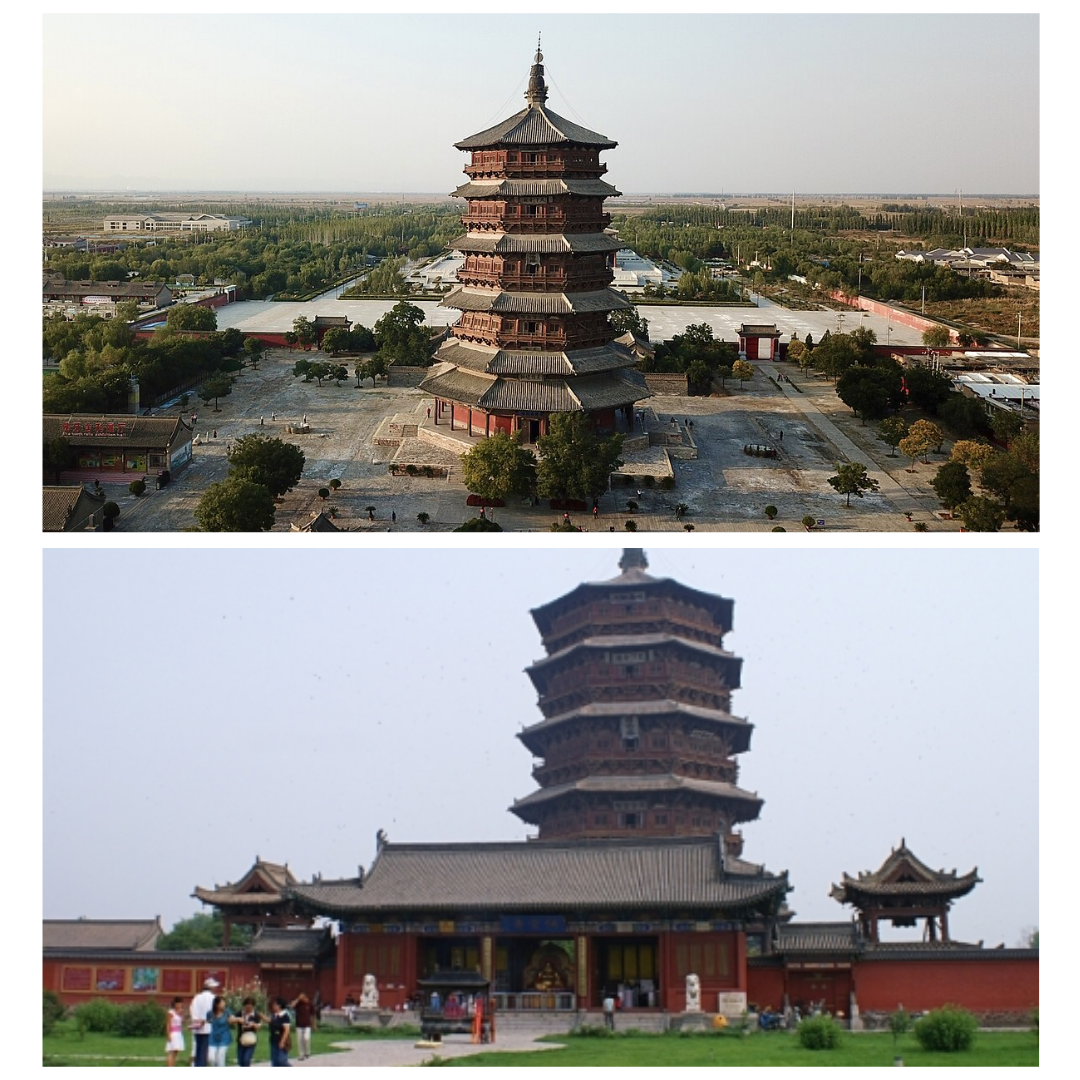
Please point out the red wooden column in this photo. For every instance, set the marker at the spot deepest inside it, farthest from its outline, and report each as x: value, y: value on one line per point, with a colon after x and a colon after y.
x: 740, y: 959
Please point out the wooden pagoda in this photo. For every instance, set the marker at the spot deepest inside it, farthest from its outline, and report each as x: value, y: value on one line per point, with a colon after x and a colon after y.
x: 902, y: 891
x: 534, y: 337
x: 637, y: 738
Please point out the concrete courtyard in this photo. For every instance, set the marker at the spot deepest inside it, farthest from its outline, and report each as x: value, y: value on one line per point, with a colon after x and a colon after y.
x: 724, y: 489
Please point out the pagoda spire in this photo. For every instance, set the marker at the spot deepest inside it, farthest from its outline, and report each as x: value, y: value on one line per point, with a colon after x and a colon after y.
x: 537, y: 92
x: 633, y: 559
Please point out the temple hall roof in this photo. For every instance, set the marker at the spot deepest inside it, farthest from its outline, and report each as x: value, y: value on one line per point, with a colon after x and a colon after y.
x: 262, y: 886
x: 545, y: 876
x: 136, y: 935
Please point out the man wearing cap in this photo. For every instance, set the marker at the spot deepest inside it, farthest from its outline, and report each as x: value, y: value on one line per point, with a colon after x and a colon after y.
x: 202, y: 1005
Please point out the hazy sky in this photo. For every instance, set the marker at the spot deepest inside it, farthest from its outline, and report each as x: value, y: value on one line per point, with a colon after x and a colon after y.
x: 720, y: 102
x: 205, y: 706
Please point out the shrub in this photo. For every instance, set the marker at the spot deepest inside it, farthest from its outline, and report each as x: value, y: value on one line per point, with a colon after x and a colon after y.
x: 592, y: 1031
x: 649, y: 480
x: 145, y: 1018
x: 632, y: 505
x: 667, y: 483
x: 423, y: 517
x: 324, y: 493
x: 688, y: 527
x: 899, y: 1023
x: 137, y: 487
x: 809, y: 521
x: 946, y: 1030
x: 98, y: 1015
x: 631, y: 526
x: 779, y: 528
x: 164, y: 477
x: 335, y: 483
x: 771, y: 512
x: 412, y: 470
x: 819, y: 1033
x: 52, y: 1009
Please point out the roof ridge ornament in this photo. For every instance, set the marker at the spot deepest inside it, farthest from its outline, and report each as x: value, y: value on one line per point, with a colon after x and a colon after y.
x: 633, y: 559
x: 537, y: 92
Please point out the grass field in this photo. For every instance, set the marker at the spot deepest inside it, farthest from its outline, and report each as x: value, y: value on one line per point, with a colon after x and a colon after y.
x: 65, y: 1047
x: 773, y: 1049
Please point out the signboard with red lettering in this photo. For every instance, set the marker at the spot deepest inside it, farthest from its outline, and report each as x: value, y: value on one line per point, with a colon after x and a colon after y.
x: 77, y: 979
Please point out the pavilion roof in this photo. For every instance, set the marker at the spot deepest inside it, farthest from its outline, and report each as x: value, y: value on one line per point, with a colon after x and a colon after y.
x: 545, y: 875
x: 261, y: 886
x: 535, y: 125
x: 293, y: 944
x: 135, y: 935
x: 903, y: 876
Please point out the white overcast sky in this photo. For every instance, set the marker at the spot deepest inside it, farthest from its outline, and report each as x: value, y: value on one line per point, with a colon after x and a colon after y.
x: 205, y: 706
x: 720, y: 102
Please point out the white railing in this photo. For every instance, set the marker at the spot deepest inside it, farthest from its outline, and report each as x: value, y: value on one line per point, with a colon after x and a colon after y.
x: 536, y: 1001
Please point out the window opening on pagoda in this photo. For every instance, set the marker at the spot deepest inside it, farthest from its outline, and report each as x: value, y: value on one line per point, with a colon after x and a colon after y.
x: 631, y: 821
x: 659, y: 819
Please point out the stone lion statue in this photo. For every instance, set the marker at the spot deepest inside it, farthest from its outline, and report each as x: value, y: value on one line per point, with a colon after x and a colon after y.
x: 693, y: 994
x: 369, y: 995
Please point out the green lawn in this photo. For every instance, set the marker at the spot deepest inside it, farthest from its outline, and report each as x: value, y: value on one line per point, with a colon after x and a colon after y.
x: 65, y: 1047
x: 772, y: 1049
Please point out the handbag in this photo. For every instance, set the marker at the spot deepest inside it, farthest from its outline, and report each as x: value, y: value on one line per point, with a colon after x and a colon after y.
x: 248, y: 1038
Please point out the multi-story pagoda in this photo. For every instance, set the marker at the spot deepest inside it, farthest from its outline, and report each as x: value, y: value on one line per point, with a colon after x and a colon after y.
x: 637, y: 737
x: 903, y: 890
x: 534, y: 337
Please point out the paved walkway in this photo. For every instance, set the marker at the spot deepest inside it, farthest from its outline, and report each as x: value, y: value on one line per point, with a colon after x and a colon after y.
x: 389, y: 1053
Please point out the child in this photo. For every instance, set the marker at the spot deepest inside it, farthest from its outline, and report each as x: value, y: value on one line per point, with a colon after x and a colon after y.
x: 174, y: 1031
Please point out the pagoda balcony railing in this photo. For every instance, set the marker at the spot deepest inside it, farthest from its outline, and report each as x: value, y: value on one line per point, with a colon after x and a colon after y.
x: 556, y: 282
x: 530, y: 170
x: 548, y: 222
x: 535, y: 1001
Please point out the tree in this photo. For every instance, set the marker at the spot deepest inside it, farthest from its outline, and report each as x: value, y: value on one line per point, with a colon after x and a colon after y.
x: 190, y: 317
x: 235, y: 505
x: 402, y: 337
x: 1005, y: 425
x: 231, y: 342
x: 742, y: 370
x: 891, y: 431
x: 498, y: 467
x: 630, y: 319
x: 273, y: 463
x: 698, y: 376
x: 914, y: 445
x: 899, y: 1024
x: 936, y: 337
x: 930, y: 431
x: 1006, y: 476
x: 57, y: 456
x: 797, y: 351
x: 771, y: 512
x: 980, y: 514
x: 479, y: 524
x: 335, y: 340
x: 852, y: 479
x: 137, y: 487
x: 973, y: 454
x: 575, y: 463
x: 871, y: 392
x: 254, y: 349
x: 371, y: 369
x: 217, y: 386
x: 927, y: 389
x: 304, y: 329
x: 202, y: 931
x: 952, y: 484
x: 109, y: 513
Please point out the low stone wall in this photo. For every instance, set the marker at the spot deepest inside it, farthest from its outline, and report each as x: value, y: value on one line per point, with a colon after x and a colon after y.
x: 405, y: 376
x: 666, y: 383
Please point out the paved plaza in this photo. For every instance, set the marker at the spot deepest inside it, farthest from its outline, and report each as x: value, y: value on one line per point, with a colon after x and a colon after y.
x: 724, y: 489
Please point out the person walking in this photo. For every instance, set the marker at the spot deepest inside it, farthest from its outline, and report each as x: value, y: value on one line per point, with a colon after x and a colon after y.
x: 304, y: 1012
x: 249, y: 1021
x: 220, y: 1032
x: 201, y: 1007
x: 280, y: 1037
x: 609, y: 1012
x: 174, y: 1031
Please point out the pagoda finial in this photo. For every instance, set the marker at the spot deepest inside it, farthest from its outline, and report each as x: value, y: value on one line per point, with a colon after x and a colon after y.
x: 633, y: 559
x: 537, y: 92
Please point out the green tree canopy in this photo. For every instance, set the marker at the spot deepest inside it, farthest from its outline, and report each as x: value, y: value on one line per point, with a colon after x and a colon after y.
x: 402, y: 337
x: 852, y: 479
x: 275, y: 464
x: 235, y: 505
x: 936, y: 337
x: 190, y: 317
x: 980, y: 514
x: 952, y: 484
x: 217, y: 386
x: 202, y: 931
x: 575, y: 463
x: 498, y: 468
x: 479, y: 524
x: 630, y: 319
x: 891, y: 431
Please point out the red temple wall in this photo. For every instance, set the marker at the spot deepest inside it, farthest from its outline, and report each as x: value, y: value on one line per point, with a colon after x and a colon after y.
x: 765, y: 986
x: 984, y: 985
